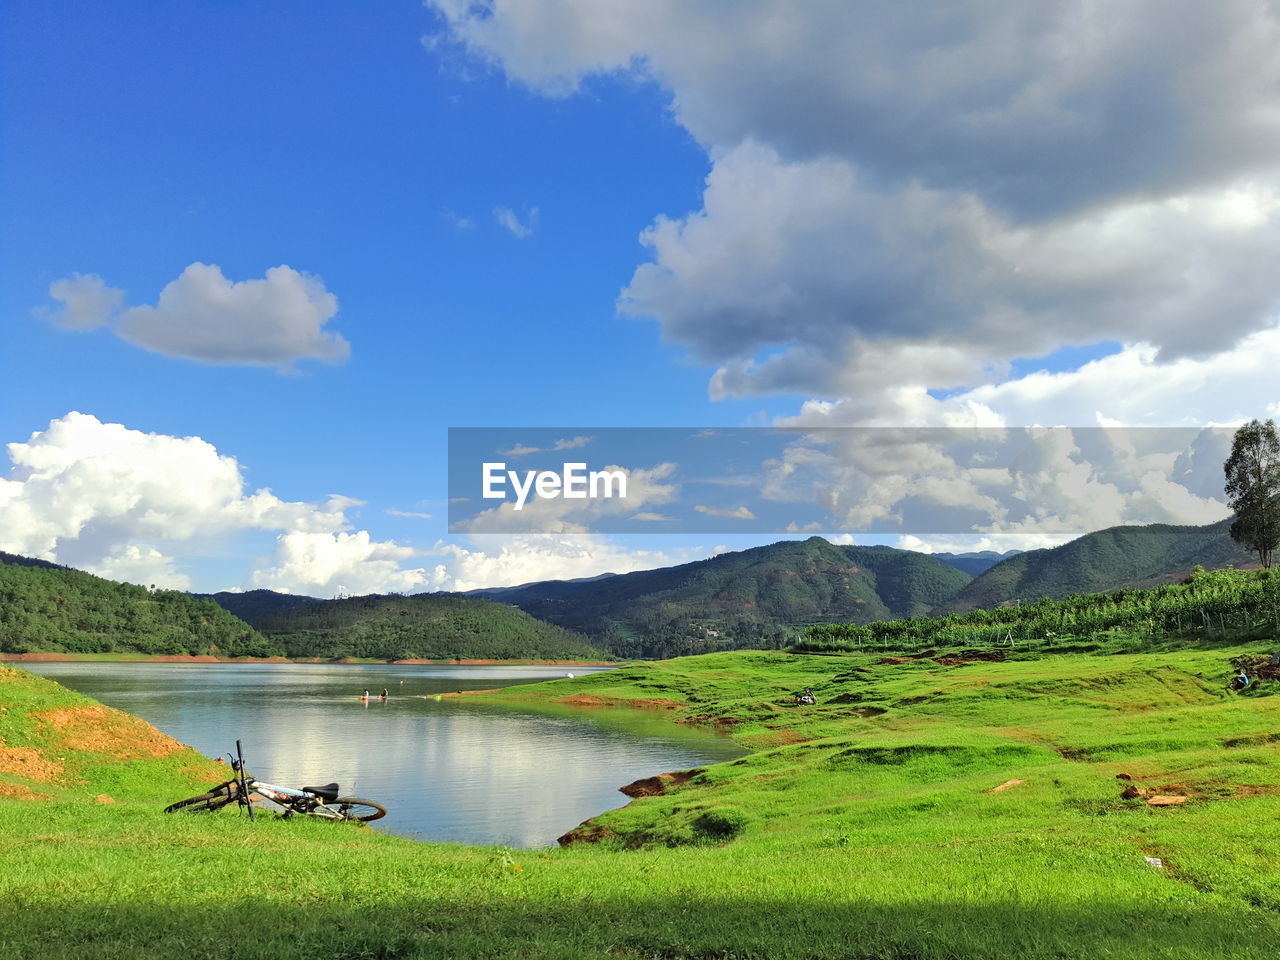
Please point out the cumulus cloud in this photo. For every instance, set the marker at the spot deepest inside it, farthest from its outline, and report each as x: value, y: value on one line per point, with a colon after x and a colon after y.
x: 1130, y: 386
x: 102, y: 497
x: 1045, y: 482
x: 203, y: 316
x: 499, y: 561
x: 339, y: 564
x: 908, y: 197
x: 86, y: 302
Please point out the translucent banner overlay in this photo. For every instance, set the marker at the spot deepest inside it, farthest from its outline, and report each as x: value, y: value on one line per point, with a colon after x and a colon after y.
x: 1032, y: 480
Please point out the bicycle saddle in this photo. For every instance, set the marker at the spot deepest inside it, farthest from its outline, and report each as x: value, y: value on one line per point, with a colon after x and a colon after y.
x: 328, y: 792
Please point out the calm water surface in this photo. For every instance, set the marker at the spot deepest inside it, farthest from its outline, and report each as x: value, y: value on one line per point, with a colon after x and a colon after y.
x: 453, y: 769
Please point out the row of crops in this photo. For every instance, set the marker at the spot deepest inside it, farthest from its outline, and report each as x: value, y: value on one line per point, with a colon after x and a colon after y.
x: 1208, y: 603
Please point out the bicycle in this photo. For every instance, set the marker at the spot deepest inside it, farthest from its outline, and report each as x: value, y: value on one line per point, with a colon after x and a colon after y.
x: 322, y: 802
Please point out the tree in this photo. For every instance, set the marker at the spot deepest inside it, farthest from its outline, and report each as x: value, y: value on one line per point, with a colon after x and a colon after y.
x: 1253, y: 488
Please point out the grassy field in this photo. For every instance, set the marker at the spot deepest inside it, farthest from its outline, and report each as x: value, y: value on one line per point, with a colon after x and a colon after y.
x: 867, y: 826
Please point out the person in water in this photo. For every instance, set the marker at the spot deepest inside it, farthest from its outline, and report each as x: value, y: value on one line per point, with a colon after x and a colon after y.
x: 385, y: 693
x: 366, y: 695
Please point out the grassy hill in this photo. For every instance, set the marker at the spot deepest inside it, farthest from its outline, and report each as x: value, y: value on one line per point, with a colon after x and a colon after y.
x: 44, y: 607
x: 435, y: 626
x: 750, y: 598
x: 923, y: 809
x: 1105, y: 560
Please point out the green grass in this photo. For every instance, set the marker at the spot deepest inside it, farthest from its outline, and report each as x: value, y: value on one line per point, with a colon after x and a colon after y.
x: 863, y: 827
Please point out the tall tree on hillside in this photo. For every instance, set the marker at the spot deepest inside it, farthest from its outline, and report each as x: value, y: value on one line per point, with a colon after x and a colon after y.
x: 1253, y: 488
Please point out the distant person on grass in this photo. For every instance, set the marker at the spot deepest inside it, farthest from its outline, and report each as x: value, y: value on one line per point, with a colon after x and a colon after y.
x: 1240, y: 680
x: 807, y: 698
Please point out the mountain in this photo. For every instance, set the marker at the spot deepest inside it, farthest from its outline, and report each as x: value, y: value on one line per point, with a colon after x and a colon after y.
x: 252, y: 606
x: 434, y: 626
x: 44, y: 607
x: 750, y: 598
x: 1135, y: 556
x: 975, y: 563
x: 18, y: 561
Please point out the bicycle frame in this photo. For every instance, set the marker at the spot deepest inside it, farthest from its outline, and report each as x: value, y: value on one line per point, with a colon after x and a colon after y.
x: 295, y: 801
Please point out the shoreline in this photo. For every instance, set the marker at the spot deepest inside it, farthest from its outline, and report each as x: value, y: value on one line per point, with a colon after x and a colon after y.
x: 55, y: 657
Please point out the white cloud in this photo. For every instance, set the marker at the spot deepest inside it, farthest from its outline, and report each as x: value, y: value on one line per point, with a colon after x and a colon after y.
x: 564, y: 443
x: 203, y: 316
x: 735, y: 513
x: 411, y: 514
x: 509, y: 220
x: 102, y: 497
x: 500, y: 561
x: 907, y: 197
x: 87, y: 302
x: 520, y: 450
x: 339, y: 563
x: 1131, y: 387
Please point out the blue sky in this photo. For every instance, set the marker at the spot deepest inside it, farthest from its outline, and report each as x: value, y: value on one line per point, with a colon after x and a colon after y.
x: 380, y: 147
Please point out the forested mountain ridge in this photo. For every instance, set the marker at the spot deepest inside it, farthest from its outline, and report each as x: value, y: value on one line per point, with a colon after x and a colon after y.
x: 434, y: 626
x: 44, y: 607
x: 759, y: 597
x: 252, y: 606
x: 1126, y: 556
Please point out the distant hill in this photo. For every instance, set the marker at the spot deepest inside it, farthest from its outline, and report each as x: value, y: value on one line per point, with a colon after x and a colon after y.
x: 1135, y: 556
x: 44, y: 607
x: 434, y: 626
x: 253, y: 606
x: 751, y: 598
x: 976, y: 563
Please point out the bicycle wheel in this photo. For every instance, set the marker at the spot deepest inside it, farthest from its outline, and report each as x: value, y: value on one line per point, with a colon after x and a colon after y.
x: 354, y: 808
x: 215, y: 799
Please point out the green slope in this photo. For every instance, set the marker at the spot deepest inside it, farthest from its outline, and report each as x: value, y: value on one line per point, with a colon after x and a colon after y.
x: 1101, y: 561
x: 847, y: 832
x: 55, y: 609
x: 750, y: 598
x: 436, y: 626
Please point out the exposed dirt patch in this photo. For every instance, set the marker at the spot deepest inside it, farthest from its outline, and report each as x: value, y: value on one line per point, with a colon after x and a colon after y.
x: 585, y: 833
x: 29, y: 763
x: 657, y: 786
x: 896, y: 660
x: 36, y: 657
x: 655, y: 703
x: 783, y: 738
x: 1006, y: 785
x: 585, y: 700
x: 1162, y: 801
x: 20, y: 791
x: 99, y: 729
x: 103, y: 798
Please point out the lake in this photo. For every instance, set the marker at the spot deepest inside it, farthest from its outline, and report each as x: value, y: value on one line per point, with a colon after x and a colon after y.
x: 455, y: 769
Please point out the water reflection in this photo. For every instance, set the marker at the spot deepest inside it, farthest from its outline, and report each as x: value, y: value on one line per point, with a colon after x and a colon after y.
x: 450, y: 769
